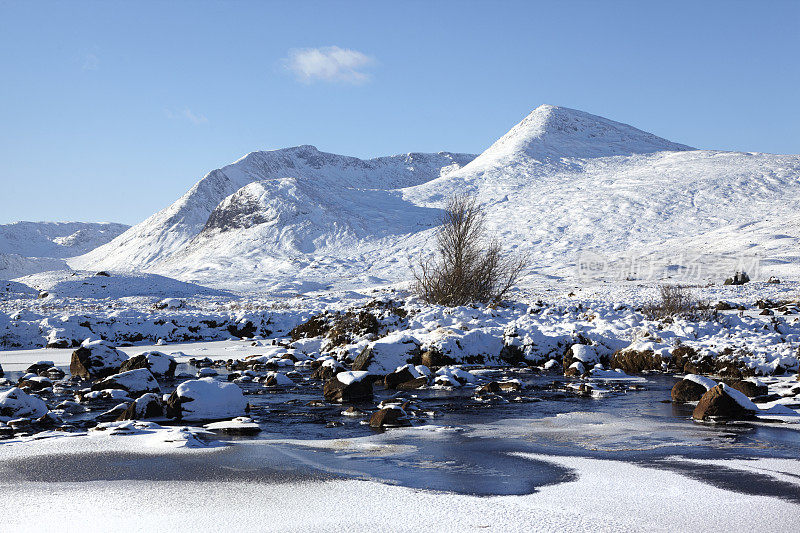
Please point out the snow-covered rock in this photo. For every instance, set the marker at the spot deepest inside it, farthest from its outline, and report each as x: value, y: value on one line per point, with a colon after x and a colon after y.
x: 15, y: 403
x: 452, y: 376
x: 95, y: 360
x: 386, y: 354
x: 135, y: 382
x: 206, y: 399
x: 277, y: 379
x: 148, y: 405
x: 159, y: 363
x: 724, y: 402
x: 350, y: 386
x: 691, y: 388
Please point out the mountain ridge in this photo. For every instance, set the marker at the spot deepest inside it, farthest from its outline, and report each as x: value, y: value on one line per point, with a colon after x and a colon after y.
x: 559, y: 183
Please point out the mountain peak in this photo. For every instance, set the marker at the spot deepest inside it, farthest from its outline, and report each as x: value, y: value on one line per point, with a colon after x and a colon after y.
x: 551, y: 132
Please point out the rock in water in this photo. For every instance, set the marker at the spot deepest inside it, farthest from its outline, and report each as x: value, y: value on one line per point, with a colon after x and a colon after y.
x: 385, y: 355
x: 146, y: 406
x: 687, y: 391
x: 401, y: 375
x: 136, y: 382
x: 348, y: 387
x: 691, y: 388
x: 389, y: 417
x: 96, y: 360
x: 416, y: 383
x: 724, y: 402
x: 160, y: 364
x: 206, y: 399
x: 16, y: 403
x: 749, y: 388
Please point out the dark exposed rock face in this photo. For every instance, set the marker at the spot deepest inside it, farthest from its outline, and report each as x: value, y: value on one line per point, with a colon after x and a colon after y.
x: 96, y: 360
x: 413, y: 384
x: 389, y: 417
x: 632, y: 361
x: 492, y: 387
x: 740, y: 278
x: 716, y: 403
x: 147, y: 406
x: 397, y: 377
x: 161, y: 365
x: 172, y: 409
x: 434, y: 358
x: 687, y: 390
x: 247, y: 329
x: 326, y: 372
x: 363, y: 360
x: 336, y: 391
x: 749, y: 389
x: 39, y: 368
x: 512, y: 355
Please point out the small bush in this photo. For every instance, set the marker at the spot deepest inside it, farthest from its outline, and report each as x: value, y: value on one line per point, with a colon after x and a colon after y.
x: 675, y: 301
x: 467, y: 266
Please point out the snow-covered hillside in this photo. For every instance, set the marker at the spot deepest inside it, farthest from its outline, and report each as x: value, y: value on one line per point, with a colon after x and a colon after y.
x: 562, y: 185
x: 32, y: 247
x: 148, y: 244
x: 55, y: 239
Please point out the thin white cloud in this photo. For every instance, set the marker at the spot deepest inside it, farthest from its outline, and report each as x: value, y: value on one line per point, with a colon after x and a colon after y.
x: 330, y: 64
x: 90, y: 62
x: 186, y: 114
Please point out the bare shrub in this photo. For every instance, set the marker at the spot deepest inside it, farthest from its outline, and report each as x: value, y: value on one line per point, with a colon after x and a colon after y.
x: 467, y: 267
x: 675, y: 301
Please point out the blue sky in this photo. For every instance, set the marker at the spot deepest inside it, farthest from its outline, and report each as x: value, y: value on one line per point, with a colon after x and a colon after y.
x: 111, y: 110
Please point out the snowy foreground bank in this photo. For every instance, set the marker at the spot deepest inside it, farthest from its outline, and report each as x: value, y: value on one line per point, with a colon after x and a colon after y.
x: 386, y: 414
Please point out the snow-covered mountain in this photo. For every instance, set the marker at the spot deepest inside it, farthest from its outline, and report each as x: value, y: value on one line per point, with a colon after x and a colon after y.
x: 154, y: 241
x: 31, y: 247
x: 560, y: 185
x: 55, y: 239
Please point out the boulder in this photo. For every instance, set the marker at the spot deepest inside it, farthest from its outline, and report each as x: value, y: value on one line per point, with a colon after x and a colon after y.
x: 206, y: 399
x: 54, y: 373
x: 389, y: 417
x: 146, y: 406
x: 276, y: 379
x: 415, y: 383
x: 40, y: 367
x: 35, y: 383
x: 135, y: 382
x: 633, y: 361
x: 739, y: 278
x: 96, y: 360
x: 492, y: 387
x: 452, y: 376
x: 749, y: 388
x: 327, y: 370
x: 160, y: 364
x: 348, y: 387
x: 575, y: 370
x: 724, y: 402
x: 401, y: 375
x: 384, y: 355
x: 434, y: 358
x: 16, y: 403
x: 687, y: 390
